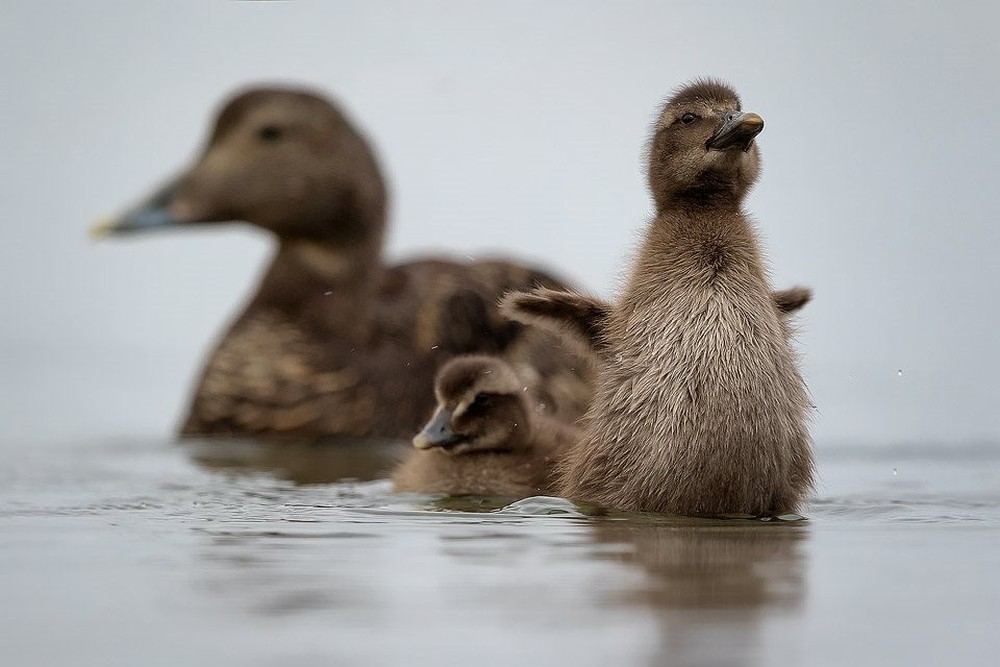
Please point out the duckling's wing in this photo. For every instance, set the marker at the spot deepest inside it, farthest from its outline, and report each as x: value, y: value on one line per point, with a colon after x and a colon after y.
x: 583, y: 317
x: 791, y: 300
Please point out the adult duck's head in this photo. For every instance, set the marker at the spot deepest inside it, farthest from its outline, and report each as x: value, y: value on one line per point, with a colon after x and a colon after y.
x: 703, y: 148
x: 283, y: 159
x: 481, y: 408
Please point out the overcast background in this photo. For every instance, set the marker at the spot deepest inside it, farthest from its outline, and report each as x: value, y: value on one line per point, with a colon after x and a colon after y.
x: 513, y: 127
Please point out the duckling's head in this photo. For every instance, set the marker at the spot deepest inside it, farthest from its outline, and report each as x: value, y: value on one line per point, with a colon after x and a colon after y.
x: 481, y: 407
x: 284, y: 159
x: 703, y: 148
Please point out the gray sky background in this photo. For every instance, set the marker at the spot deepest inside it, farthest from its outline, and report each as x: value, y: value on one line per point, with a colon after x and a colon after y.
x: 519, y: 128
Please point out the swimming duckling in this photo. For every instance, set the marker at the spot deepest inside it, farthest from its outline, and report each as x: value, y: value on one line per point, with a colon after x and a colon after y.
x: 703, y: 410
x: 332, y: 342
x: 486, y: 436
x: 585, y: 318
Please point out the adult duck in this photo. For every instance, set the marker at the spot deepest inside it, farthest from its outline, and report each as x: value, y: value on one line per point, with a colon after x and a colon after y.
x: 332, y: 341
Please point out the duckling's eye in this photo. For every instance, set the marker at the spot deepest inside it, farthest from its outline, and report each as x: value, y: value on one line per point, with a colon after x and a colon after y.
x: 688, y: 118
x: 481, y: 400
x: 269, y: 133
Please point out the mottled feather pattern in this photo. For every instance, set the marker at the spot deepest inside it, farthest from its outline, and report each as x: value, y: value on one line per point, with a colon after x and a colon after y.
x: 278, y: 373
x: 268, y: 377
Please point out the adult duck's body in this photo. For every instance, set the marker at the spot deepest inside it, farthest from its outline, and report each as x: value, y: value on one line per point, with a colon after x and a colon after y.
x: 332, y: 342
x: 699, y: 408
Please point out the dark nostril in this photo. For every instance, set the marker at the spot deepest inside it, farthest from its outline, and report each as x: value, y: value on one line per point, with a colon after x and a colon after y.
x: 731, y: 116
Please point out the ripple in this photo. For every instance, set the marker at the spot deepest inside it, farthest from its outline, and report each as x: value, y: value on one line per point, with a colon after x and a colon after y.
x: 915, y: 509
x: 542, y: 506
x: 153, y: 533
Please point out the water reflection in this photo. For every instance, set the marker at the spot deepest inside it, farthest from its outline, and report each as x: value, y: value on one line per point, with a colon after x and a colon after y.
x: 300, y: 462
x: 249, y: 566
x: 708, y: 589
x: 711, y: 584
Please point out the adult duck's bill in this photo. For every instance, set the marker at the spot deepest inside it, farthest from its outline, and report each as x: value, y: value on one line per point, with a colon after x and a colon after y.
x: 160, y: 210
x: 739, y: 130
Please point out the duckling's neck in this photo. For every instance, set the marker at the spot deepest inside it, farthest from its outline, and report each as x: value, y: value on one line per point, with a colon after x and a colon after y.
x: 707, y: 198
x: 330, y: 288
x: 720, y: 220
x: 689, y: 247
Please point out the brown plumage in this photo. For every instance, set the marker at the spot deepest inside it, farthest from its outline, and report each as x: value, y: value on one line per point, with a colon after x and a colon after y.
x: 487, y: 436
x: 332, y: 342
x: 701, y: 409
x: 584, y: 319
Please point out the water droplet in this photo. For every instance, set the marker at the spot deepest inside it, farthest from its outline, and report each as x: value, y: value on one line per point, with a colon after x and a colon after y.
x: 894, y: 472
x: 619, y: 358
x: 541, y: 406
x: 434, y: 347
x: 899, y: 372
x: 487, y: 372
x: 328, y: 293
x: 525, y: 389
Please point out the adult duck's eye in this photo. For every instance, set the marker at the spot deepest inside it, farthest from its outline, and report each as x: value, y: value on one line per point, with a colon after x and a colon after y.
x: 269, y: 133
x: 688, y: 118
x: 481, y: 399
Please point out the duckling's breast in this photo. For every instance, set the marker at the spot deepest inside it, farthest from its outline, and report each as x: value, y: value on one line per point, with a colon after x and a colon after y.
x: 498, y: 474
x: 700, y: 408
x: 694, y: 351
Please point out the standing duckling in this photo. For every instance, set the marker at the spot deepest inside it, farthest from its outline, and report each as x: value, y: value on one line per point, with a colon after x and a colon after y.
x: 701, y: 409
x: 333, y: 342
x: 486, y: 437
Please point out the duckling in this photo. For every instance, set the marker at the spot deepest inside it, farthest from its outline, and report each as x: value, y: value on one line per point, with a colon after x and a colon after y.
x: 584, y: 317
x: 703, y: 410
x: 486, y: 436
x: 332, y: 341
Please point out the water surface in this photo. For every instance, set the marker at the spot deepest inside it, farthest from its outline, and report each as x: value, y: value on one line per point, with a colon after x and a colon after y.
x: 153, y: 553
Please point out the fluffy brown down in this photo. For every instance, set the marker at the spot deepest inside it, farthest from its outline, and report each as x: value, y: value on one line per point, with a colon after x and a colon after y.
x: 584, y: 318
x: 700, y: 409
x: 486, y: 438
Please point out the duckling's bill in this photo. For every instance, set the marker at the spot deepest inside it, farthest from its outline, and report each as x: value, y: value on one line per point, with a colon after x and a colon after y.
x: 437, y: 432
x: 739, y: 130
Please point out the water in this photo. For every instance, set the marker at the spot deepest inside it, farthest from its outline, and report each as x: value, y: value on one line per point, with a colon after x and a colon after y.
x: 154, y: 553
